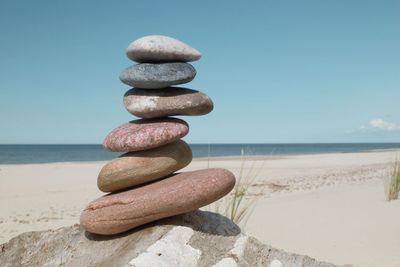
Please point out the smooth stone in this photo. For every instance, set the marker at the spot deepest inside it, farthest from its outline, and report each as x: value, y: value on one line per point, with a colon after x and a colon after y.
x: 161, y: 75
x: 145, y: 134
x: 177, y: 194
x: 167, y: 102
x: 275, y: 263
x: 159, y: 48
x: 140, y: 167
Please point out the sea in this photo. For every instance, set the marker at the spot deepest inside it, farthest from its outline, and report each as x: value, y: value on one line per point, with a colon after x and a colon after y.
x: 28, y: 154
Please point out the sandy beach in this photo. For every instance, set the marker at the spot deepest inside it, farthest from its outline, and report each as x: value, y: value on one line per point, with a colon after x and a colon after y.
x: 328, y: 206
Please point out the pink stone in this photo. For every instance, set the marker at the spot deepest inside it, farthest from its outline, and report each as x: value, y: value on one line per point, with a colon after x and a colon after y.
x: 145, y: 134
x: 177, y: 194
x: 158, y: 48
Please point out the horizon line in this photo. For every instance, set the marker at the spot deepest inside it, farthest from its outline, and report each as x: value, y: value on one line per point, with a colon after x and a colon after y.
x: 289, y: 143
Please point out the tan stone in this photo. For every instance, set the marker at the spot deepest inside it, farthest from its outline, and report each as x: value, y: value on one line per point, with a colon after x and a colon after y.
x: 177, y: 194
x: 169, y: 101
x: 140, y: 167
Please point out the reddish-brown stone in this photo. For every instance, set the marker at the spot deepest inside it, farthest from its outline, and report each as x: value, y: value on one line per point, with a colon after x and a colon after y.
x: 177, y: 194
x: 140, y: 167
x: 145, y: 134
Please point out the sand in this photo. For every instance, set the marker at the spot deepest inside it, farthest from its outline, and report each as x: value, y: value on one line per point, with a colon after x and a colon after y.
x: 328, y: 206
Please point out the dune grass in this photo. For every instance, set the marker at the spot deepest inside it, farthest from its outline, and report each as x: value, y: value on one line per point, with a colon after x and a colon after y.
x: 239, y: 204
x: 392, y: 182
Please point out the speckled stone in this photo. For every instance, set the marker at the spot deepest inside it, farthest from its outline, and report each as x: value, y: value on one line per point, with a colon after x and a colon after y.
x: 153, y: 76
x: 167, y: 102
x: 177, y: 194
x: 145, y: 134
x: 158, y: 48
x: 140, y: 167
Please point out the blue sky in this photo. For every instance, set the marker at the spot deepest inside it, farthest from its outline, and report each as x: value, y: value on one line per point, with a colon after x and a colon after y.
x: 277, y: 71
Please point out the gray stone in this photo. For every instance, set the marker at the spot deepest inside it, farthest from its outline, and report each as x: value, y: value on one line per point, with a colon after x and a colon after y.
x: 169, y: 101
x: 194, y: 239
x: 154, y: 76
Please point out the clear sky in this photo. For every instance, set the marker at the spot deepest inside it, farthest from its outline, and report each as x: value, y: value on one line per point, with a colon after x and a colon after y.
x: 277, y: 71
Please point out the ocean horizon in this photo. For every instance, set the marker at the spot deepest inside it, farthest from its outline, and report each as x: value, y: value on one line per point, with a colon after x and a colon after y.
x: 47, y: 153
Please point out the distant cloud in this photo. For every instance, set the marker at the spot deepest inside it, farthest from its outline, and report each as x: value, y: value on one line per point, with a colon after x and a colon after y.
x: 381, y: 125
x: 377, y: 125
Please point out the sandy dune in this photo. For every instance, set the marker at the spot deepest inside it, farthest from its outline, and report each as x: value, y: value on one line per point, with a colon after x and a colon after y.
x: 328, y: 206
x: 344, y: 224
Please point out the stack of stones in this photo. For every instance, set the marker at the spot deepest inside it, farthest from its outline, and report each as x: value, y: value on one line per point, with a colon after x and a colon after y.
x: 143, y: 181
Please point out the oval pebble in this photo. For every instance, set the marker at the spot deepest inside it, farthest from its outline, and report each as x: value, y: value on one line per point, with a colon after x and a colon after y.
x: 167, y: 102
x: 177, y: 194
x: 140, y: 167
x: 145, y: 134
x: 154, y: 76
x: 159, y: 48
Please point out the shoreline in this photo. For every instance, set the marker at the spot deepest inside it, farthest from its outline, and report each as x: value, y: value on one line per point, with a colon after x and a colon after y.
x: 266, y: 157
x: 222, y: 158
x: 332, y: 194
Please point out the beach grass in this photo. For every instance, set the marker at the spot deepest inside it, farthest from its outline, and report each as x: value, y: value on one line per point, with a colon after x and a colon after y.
x: 392, y: 182
x: 239, y: 204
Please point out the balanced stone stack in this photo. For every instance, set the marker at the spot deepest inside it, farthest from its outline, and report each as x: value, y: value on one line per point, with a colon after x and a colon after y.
x: 143, y: 181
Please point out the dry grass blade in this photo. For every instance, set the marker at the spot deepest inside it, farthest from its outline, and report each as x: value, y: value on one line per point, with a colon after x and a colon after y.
x: 392, y: 182
x: 237, y: 205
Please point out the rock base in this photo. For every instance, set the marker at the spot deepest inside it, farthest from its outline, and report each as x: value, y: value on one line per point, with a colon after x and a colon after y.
x: 197, y: 238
